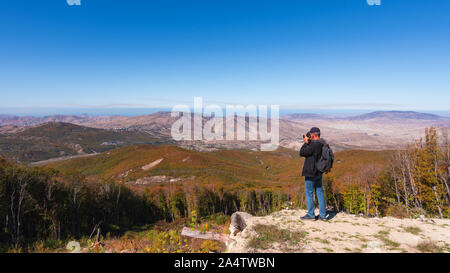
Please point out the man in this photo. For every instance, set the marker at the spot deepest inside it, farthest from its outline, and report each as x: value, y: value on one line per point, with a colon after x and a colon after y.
x: 312, y: 150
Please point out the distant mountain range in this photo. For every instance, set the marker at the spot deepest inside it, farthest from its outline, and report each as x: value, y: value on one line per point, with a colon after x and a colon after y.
x: 29, y: 139
x: 398, y: 115
x: 127, y: 121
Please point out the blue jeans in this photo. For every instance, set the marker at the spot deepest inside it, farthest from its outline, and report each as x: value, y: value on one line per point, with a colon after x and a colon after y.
x: 312, y: 183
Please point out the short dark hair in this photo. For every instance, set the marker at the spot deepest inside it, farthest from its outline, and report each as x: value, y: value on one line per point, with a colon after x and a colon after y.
x: 315, y: 130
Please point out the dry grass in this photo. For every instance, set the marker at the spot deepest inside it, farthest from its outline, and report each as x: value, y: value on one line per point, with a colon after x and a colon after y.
x: 413, y: 230
x: 384, y: 237
x: 428, y: 247
x: 269, y: 234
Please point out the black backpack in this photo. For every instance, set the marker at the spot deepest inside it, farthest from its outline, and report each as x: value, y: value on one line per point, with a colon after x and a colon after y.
x: 325, y: 162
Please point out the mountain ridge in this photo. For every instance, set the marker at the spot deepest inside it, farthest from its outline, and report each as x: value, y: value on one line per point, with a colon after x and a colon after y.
x: 86, y: 118
x: 58, y: 139
x: 371, y: 115
x: 399, y: 115
x: 377, y: 130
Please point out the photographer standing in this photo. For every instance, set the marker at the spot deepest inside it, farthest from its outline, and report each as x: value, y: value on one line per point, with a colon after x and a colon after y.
x: 312, y: 151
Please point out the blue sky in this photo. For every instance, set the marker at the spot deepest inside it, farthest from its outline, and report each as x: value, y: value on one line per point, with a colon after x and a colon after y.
x: 335, y: 54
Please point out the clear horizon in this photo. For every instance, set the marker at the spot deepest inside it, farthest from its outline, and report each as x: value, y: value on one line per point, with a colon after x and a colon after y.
x: 322, y: 55
x: 148, y: 111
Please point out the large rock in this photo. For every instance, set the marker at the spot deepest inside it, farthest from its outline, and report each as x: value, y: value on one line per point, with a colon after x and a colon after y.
x: 238, y: 222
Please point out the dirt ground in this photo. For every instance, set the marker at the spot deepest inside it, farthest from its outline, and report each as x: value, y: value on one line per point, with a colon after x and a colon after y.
x: 346, y: 233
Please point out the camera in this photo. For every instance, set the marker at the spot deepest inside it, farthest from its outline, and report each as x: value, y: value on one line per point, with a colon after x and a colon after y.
x: 308, y: 135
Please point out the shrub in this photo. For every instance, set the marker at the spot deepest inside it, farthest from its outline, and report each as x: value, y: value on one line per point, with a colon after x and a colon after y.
x: 428, y: 246
x: 397, y: 210
x: 211, y: 246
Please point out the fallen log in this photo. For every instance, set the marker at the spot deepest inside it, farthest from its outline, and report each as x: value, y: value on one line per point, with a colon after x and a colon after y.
x: 206, y: 235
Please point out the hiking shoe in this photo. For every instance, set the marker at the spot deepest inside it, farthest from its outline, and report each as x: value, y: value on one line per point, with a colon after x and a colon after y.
x: 307, y: 217
x: 322, y: 219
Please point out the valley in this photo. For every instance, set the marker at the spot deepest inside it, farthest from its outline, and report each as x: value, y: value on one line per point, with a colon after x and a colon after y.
x: 32, y: 139
x: 128, y: 176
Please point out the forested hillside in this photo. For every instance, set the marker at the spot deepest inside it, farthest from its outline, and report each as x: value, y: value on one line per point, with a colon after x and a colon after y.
x: 57, y: 139
x: 117, y: 190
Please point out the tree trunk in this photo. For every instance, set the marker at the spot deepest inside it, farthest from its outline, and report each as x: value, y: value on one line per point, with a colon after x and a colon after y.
x: 417, y: 202
x: 447, y: 188
x: 438, y: 202
x: 405, y: 190
x: 395, y: 183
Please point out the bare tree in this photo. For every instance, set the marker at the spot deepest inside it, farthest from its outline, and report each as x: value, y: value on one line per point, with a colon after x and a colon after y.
x: 18, y: 182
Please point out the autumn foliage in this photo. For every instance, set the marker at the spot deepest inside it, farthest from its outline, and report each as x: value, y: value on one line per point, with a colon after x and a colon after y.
x: 72, y: 199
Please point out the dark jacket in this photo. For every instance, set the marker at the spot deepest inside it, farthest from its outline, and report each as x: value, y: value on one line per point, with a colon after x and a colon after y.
x: 312, y: 153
